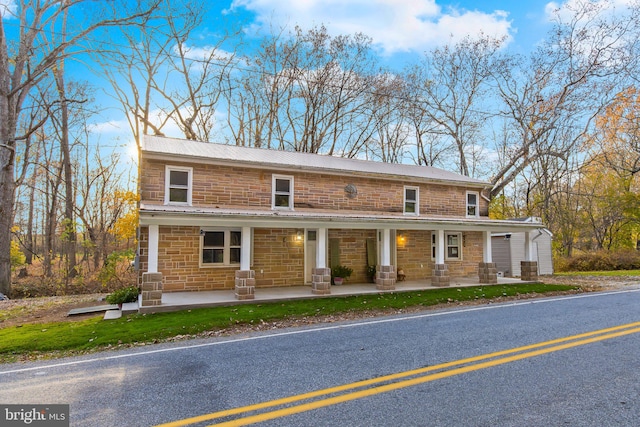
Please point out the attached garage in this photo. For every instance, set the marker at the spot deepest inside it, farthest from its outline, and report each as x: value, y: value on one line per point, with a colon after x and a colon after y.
x: 507, y: 251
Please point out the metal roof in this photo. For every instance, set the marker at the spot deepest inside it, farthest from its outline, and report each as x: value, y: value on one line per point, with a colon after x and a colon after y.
x: 172, y: 148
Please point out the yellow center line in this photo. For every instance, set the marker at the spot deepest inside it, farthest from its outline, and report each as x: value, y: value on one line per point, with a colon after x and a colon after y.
x: 526, y: 352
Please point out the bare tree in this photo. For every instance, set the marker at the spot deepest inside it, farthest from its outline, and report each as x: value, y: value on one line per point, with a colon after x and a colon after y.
x: 552, y: 98
x: 23, y: 63
x: 451, y: 85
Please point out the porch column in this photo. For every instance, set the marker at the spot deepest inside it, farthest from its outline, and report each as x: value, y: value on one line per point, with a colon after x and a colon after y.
x: 440, y: 275
x: 321, y: 249
x: 245, y: 278
x: 152, y: 284
x: 487, y: 271
x: 528, y: 267
x: 245, y: 249
x: 321, y: 275
x: 386, y: 277
x: 152, y: 262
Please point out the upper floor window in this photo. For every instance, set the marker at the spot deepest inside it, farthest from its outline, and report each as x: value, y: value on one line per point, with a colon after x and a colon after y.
x: 473, y: 201
x: 220, y: 247
x: 411, y: 200
x: 282, y: 192
x: 178, y: 185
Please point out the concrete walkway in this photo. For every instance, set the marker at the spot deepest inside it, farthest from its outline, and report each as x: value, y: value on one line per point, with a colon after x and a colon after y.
x: 174, y: 301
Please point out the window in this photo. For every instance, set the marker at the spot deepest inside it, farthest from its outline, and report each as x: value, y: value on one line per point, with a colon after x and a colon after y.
x: 453, y: 246
x: 472, y: 204
x: 178, y: 183
x: 220, y: 247
x: 411, y: 200
x: 282, y: 197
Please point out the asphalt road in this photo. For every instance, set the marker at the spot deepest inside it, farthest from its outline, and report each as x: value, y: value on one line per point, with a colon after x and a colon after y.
x: 569, y: 361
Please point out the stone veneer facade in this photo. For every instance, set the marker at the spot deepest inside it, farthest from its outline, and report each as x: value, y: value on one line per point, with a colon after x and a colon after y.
x: 277, y: 256
x: 251, y: 188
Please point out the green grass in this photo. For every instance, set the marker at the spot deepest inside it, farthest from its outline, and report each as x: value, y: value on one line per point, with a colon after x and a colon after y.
x: 599, y: 273
x: 53, y: 339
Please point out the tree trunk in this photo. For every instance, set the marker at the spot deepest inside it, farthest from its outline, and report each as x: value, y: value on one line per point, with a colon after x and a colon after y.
x: 7, y: 188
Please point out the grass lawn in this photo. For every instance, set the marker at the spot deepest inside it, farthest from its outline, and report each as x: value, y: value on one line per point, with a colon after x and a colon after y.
x: 612, y: 273
x: 65, y: 338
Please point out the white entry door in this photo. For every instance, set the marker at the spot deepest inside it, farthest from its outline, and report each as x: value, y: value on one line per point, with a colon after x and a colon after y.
x: 310, y: 249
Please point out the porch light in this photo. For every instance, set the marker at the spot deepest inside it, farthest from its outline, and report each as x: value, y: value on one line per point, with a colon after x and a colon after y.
x: 299, y: 235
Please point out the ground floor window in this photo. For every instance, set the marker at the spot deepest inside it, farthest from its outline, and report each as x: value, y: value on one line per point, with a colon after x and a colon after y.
x: 453, y: 246
x: 220, y: 247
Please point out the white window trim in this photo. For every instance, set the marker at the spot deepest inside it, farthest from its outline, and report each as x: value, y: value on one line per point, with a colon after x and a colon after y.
x: 477, y: 205
x: 446, y: 246
x: 273, y: 192
x: 227, y: 248
x: 416, y: 201
x: 167, y: 171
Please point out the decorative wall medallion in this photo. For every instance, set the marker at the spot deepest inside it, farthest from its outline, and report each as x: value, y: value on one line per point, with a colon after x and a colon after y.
x: 351, y: 191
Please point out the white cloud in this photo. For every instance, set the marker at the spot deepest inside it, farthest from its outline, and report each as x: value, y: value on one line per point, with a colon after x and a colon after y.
x: 395, y: 26
x: 8, y: 9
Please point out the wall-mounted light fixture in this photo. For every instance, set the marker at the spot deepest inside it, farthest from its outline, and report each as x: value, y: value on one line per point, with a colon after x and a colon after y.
x: 507, y: 236
x: 299, y: 235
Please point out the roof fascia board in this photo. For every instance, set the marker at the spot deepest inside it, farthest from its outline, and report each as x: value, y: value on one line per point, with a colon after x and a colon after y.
x: 307, y: 221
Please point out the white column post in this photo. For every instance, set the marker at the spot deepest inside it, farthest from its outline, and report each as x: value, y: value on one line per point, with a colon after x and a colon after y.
x: 528, y: 252
x: 386, y: 247
x: 245, y: 249
x: 486, y: 247
x: 321, y: 249
x: 152, y: 260
x: 440, y: 247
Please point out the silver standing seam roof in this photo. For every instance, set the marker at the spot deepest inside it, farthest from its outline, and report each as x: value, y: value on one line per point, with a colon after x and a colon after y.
x: 173, y: 148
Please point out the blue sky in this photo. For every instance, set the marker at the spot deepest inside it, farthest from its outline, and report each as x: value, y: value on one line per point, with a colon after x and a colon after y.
x: 402, y: 30
x: 401, y: 26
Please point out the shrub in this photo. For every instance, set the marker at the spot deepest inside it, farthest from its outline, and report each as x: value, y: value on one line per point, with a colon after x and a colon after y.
x: 600, y: 261
x: 341, y: 271
x: 123, y: 295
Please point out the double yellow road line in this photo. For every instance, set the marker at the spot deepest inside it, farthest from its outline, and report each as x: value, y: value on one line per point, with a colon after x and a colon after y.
x: 357, y: 390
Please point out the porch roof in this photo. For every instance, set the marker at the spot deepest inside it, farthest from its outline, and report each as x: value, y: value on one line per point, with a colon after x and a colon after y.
x: 153, y: 214
x: 172, y: 149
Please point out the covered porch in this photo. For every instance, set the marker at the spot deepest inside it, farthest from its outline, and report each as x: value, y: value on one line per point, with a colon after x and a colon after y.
x: 175, y: 301
x: 431, y: 252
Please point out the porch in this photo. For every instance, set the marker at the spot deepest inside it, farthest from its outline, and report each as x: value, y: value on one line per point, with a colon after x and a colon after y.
x: 175, y: 301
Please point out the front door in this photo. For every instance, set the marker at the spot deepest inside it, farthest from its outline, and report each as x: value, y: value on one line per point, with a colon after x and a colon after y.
x: 310, y: 254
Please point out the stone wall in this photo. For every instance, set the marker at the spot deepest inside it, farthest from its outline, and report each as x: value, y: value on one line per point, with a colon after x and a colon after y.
x: 228, y: 186
x: 414, y: 255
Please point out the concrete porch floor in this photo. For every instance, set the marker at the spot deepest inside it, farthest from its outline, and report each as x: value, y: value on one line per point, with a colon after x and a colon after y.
x: 174, y: 301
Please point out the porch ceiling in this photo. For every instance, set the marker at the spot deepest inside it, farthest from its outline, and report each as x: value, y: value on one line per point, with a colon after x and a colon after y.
x: 212, y: 217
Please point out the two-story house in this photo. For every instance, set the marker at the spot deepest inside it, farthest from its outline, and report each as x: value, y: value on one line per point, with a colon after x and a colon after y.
x: 216, y: 216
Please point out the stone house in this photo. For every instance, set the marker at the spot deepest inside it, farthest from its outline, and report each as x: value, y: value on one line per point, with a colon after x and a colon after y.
x: 216, y: 216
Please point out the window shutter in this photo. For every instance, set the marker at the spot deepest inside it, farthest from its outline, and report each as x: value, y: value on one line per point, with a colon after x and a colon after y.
x: 334, y: 252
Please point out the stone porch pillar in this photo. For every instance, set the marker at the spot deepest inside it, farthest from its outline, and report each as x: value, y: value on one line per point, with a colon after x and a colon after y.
x: 440, y: 275
x: 487, y: 270
x: 321, y: 281
x: 386, y: 277
x: 245, y: 284
x: 151, y: 289
x: 528, y: 267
